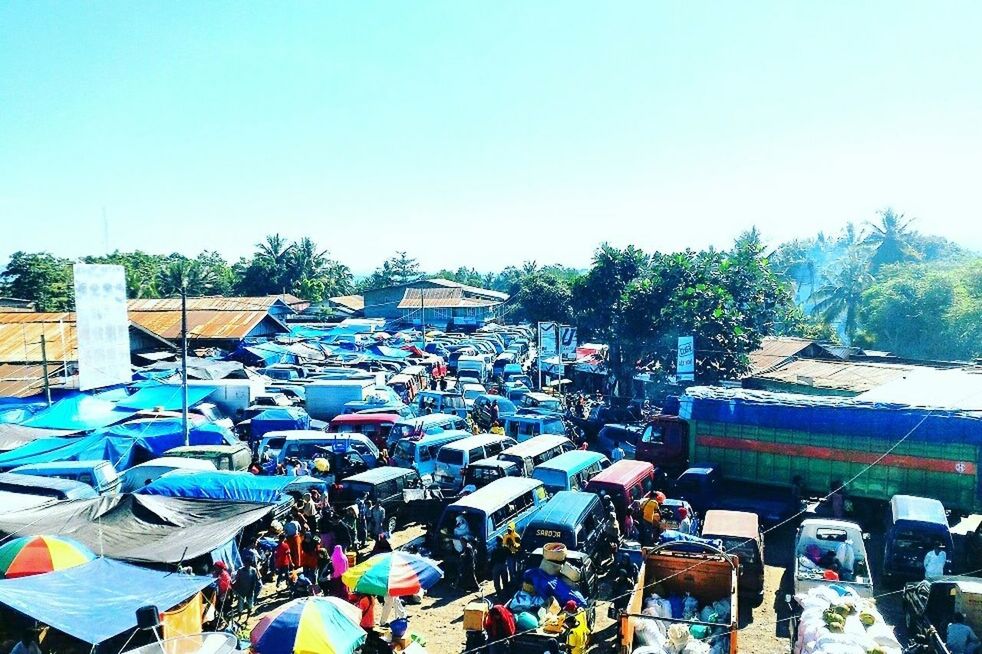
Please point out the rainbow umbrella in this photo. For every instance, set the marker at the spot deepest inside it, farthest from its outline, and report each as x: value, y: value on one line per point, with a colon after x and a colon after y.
x: 393, y: 573
x: 310, y: 625
x: 34, y: 555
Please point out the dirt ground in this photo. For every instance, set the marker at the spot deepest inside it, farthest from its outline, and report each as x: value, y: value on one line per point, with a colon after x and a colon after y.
x: 764, y: 629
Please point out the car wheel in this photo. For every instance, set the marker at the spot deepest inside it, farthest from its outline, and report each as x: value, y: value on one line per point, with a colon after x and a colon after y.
x: 392, y: 524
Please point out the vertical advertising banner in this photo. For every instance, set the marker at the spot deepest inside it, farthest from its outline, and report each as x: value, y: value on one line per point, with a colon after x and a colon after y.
x: 102, y: 326
x: 548, y: 346
x: 567, y: 342
x: 685, y: 365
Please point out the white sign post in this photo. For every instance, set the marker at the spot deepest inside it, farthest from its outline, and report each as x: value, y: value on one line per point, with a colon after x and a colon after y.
x: 685, y: 365
x: 102, y: 326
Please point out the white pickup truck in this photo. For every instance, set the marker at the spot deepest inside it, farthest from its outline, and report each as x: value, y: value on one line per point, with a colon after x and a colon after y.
x: 825, y: 546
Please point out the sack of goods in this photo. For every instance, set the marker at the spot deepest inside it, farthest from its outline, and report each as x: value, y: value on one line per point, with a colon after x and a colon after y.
x: 664, y: 637
x: 836, y: 620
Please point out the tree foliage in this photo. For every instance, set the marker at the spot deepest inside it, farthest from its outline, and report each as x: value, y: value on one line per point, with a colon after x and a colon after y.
x: 396, y: 270
x: 41, y: 278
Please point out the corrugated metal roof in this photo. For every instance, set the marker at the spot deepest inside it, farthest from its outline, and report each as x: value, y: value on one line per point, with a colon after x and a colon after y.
x: 20, y: 336
x: 25, y: 380
x: 440, y: 298
x: 353, y: 302
x: 219, y: 325
x: 852, y: 376
x: 472, y: 290
x: 775, y: 350
x: 215, y: 303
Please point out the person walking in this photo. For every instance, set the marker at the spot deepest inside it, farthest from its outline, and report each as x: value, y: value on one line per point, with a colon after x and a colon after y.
x: 246, y: 587
x: 392, y: 605
x: 376, y: 517
x: 282, y: 561
x: 617, y: 452
x: 466, y: 571
x: 499, y: 567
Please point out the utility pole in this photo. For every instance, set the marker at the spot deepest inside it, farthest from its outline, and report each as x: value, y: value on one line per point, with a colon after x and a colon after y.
x: 184, y: 365
x: 422, y: 317
x: 44, y: 369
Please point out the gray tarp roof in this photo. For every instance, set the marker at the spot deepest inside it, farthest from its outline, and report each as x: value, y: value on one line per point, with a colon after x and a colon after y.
x: 143, y: 528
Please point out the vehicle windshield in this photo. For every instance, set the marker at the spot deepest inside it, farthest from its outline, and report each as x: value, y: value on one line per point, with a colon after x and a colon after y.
x: 747, y: 551
x: 913, y: 541
x: 404, y: 450
x: 473, y: 391
x: 450, y: 456
x: 402, y: 431
x: 275, y: 443
x: 480, y: 476
x: 306, y: 450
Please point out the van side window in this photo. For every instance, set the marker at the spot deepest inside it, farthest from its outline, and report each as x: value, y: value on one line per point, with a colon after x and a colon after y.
x: 386, y: 489
x: 476, y: 454
x: 425, y: 453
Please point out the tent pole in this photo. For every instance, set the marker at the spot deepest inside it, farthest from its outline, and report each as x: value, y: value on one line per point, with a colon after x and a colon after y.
x: 184, y: 365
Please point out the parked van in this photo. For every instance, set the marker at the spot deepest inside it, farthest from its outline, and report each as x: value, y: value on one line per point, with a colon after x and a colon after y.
x: 384, y: 486
x: 535, y: 451
x: 404, y: 386
x: 430, y: 402
x: 481, y: 409
x: 916, y: 525
x: 138, y: 476
x: 511, y: 370
x: 453, y: 458
x: 626, y: 436
x: 224, y: 457
x: 575, y: 519
x: 433, y: 423
x: 420, y: 453
x: 523, y: 426
x: 541, y: 401
x: 570, y: 471
x: 473, y: 367
x: 309, y: 445
x: 22, y: 491
x: 740, y: 533
x: 481, y: 473
x: 376, y: 426
x: 99, y: 474
x: 487, y: 512
x: 625, y: 482
x: 501, y: 361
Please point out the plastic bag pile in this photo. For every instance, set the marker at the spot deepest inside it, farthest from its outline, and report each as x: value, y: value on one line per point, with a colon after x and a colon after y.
x: 836, y: 620
x: 662, y: 637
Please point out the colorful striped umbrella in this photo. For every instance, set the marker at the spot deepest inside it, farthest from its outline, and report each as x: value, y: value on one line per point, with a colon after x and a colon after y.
x: 310, y: 625
x: 393, y: 573
x: 34, y: 555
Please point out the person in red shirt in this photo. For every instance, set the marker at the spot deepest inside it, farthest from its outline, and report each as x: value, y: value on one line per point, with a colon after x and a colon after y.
x: 223, y: 583
x: 282, y: 561
x: 366, y: 603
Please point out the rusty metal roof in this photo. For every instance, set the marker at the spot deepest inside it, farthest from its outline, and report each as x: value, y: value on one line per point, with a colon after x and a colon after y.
x: 216, y: 303
x: 25, y: 380
x: 218, y: 325
x: 20, y: 336
x: 852, y: 376
x: 352, y: 302
x: 440, y: 298
x: 775, y: 350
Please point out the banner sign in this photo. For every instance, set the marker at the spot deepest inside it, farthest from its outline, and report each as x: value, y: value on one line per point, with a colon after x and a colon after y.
x: 685, y: 366
x: 567, y: 342
x: 548, y: 343
x: 102, y: 326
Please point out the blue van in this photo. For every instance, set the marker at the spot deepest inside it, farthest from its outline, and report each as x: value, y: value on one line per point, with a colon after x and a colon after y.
x: 574, y: 518
x: 481, y: 473
x: 99, y: 474
x: 440, y: 402
x: 523, y: 426
x: 624, y: 435
x: 536, y: 451
x: 570, y: 471
x: 433, y: 423
x: 917, y: 524
x: 420, y: 453
x: 486, y: 514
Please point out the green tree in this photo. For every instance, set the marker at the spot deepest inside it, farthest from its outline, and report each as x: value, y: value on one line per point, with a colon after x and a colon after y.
x: 41, y: 278
x: 890, y: 240
x: 186, y: 276
x: 839, y: 300
x: 142, y: 270
x: 909, y: 311
x: 541, y: 297
x: 394, y: 271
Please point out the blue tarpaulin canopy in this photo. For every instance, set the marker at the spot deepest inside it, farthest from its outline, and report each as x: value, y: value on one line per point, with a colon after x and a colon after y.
x: 278, y: 419
x: 97, y: 600
x: 385, y: 352
x: 78, y: 413
x: 122, y: 445
x: 165, y: 396
x: 264, y: 354
x: 225, y: 485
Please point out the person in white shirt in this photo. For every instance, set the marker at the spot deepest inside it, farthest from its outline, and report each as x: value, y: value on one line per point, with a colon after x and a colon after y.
x: 28, y: 644
x: 934, y: 562
x: 617, y: 453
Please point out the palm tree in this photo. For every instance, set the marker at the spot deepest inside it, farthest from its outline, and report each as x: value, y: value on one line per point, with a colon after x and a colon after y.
x: 891, y: 240
x: 305, y: 260
x: 839, y: 299
x: 277, y: 250
x: 184, y: 276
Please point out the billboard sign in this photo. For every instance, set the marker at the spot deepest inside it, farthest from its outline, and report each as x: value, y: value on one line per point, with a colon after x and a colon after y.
x: 685, y: 365
x: 567, y: 342
x: 102, y: 326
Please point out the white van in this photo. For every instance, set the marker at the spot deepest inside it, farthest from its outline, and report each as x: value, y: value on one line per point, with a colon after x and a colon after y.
x: 307, y: 445
x: 420, y: 453
x: 474, y: 367
x: 453, y: 459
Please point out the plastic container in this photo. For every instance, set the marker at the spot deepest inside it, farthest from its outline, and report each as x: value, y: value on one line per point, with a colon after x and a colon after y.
x: 352, y: 559
x: 399, y: 627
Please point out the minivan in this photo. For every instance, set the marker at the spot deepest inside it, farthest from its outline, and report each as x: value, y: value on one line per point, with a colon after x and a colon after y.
x: 915, y: 525
x: 570, y: 471
x: 541, y: 401
x: 224, y: 457
x: 619, y: 434
x: 431, y: 402
x: 384, y: 486
x: 453, y: 458
x: 741, y: 535
x: 523, y: 426
x: 99, y: 474
x: 481, y: 473
x: 487, y: 513
x: 472, y: 367
x: 420, y: 453
x: 624, y: 482
x: 433, y: 423
x: 376, y: 426
x: 142, y: 474
x: 575, y: 519
x: 535, y: 451
x: 309, y: 445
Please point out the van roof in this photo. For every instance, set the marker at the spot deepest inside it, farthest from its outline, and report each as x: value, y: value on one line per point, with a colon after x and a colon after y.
x: 476, y: 440
x: 294, y: 433
x: 623, y: 472
x: 918, y: 509
x: 572, y: 460
x: 63, y: 465
x: 536, y: 444
x: 451, y: 434
x: 494, y: 463
x: 533, y: 417
x: 741, y: 524
x: 498, y: 492
x: 16, y: 482
x: 325, y: 436
x: 428, y: 419
x: 566, y: 508
x: 365, y: 418
x: 376, y: 475
x: 224, y: 449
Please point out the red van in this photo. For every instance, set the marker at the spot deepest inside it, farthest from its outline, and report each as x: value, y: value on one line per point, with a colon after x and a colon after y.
x: 375, y: 426
x: 625, y: 482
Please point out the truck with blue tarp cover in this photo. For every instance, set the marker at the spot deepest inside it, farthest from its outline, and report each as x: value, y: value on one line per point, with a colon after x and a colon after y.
x: 759, y: 437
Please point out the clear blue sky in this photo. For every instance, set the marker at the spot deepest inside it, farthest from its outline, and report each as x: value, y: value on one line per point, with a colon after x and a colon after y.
x: 482, y: 133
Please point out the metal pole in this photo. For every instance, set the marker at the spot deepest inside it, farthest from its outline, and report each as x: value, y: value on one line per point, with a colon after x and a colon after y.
x: 422, y: 317
x: 184, y: 365
x: 538, y: 354
x: 44, y: 369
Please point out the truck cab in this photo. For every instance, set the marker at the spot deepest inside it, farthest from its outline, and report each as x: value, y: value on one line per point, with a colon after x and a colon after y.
x: 664, y: 442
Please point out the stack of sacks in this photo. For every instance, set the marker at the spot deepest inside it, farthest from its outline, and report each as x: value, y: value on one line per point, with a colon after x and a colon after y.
x: 835, y: 620
x: 663, y: 637
x: 547, y: 589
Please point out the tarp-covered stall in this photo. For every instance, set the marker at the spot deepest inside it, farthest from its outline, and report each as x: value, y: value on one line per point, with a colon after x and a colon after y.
x: 278, y: 419
x: 233, y: 486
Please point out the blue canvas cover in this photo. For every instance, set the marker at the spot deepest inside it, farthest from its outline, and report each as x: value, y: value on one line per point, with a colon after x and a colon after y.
x: 97, y: 600
x: 264, y: 354
x: 385, y: 352
x: 79, y: 413
x: 123, y: 445
x: 167, y: 397
x: 225, y: 485
x: 279, y: 419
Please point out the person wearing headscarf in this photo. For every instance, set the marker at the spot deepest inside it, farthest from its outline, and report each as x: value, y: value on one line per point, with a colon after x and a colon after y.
x: 339, y: 561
